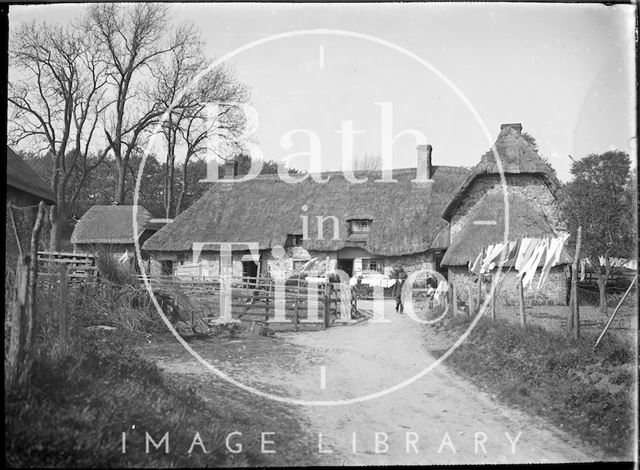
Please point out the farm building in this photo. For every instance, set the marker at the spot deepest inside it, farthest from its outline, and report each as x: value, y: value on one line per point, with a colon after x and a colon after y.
x: 373, y: 225
x: 110, y: 229
x: 477, y: 214
x: 25, y: 190
x: 368, y: 226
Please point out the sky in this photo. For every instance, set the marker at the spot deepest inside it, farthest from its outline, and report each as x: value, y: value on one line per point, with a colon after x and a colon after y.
x: 565, y: 71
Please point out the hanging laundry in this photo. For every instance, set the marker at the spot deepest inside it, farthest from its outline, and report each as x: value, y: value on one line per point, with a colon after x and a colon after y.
x: 554, y: 252
x: 475, y: 267
x: 513, y: 251
x: 124, y: 257
x: 532, y: 267
x: 492, y: 253
x: 527, y: 247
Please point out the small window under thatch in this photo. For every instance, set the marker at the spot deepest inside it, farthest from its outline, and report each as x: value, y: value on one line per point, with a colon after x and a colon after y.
x: 373, y: 264
x: 293, y: 239
x: 359, y: 226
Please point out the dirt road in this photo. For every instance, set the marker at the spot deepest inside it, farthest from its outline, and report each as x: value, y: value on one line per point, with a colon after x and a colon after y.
x: 439, y: 419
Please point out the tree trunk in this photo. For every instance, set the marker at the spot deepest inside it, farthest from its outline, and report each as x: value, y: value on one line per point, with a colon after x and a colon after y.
x: 170, y: 189
x: 120, y: 185
x: 56, y: 228
x: 602, y: 284
x: 183, y: 190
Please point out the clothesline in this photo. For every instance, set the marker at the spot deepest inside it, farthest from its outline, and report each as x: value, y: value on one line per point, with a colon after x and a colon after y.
x: 526, y: 254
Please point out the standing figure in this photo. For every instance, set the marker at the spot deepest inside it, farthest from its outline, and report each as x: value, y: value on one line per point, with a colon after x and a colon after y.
x: 397, y: 290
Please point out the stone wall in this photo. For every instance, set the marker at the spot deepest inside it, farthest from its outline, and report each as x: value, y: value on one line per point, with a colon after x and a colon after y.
x: 553, y: 292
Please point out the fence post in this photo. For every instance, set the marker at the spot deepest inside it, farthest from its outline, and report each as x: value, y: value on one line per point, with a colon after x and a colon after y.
x: 454, y: 300
x: 575, y: 307
x: 327, y: 300
x: 63, y: 308
x: 16, y: 344
x: 478, y: 303
x: 493, y: 304
x: 295, y: 308
x: 523, y: 319
x: 33, y: 274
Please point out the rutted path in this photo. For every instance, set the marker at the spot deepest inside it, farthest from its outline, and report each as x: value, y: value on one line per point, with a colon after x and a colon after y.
x: 441, y: 416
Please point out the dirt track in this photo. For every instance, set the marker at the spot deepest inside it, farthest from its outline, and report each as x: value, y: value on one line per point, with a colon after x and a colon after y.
x: 440, y: 413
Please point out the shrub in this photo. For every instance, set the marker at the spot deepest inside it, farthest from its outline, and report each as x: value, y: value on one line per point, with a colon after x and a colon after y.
x: 113, y: 271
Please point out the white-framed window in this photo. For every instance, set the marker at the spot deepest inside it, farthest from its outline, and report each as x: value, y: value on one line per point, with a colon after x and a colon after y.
x: 373, y: 264
x: 359, y: 225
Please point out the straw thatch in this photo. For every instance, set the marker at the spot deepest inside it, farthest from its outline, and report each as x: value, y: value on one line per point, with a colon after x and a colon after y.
x: 109, y: 225
x: 525, y: 220
x: 517, y: 156
x: 405, y: 216
x: 21, y: 177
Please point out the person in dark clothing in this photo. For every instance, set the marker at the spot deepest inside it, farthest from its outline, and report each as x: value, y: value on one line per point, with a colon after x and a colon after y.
x: 397, y: 291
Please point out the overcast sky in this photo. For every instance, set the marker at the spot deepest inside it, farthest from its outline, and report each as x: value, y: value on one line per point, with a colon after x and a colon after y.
x: 566, y: 72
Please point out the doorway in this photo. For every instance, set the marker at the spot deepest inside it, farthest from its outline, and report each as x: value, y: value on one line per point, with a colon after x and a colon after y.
x: 346, y: 265
x: 250, y: 270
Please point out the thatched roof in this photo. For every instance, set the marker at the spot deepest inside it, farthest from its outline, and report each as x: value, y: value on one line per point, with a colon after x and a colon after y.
x: 109, y: 224
x: 517, y: 155
x: 22, y: 177
x: 525, y: 220
x: 405, y: 216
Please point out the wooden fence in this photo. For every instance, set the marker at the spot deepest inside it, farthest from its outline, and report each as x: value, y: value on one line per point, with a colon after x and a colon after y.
x: 81, y: 267
x: 295, y: 304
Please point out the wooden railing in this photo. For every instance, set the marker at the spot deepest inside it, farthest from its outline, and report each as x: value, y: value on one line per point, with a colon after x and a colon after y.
x: 261, y: 299
x: 80, y: 266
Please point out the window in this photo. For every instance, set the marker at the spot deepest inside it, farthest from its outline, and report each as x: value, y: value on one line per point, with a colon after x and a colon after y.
x: 298, y: 264
x: 293, y: 240
x: 369, y: 264
x: 359, y: 225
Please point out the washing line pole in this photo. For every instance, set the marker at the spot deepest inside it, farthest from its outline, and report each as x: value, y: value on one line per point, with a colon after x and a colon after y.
x: 615, y: 311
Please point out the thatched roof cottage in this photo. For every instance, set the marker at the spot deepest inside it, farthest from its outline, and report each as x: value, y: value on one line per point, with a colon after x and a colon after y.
x: 477, y: 212
x: 109, y: 228
x: 353, y: 227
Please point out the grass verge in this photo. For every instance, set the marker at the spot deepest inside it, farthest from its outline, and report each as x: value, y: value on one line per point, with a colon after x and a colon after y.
x: 589, y: 393
x: 83, y: 393
x: 76, y: 407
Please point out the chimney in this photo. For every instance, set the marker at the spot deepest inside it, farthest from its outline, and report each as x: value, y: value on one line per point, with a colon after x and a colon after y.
x: 424, y: 168
x: 230, y: 169
x: 516, y: 126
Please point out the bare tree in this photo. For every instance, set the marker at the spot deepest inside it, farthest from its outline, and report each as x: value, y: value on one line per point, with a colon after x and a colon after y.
x: 56, y: 101
x: 135, y: 39
x: 368, y: 162
x: 189, y: 125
